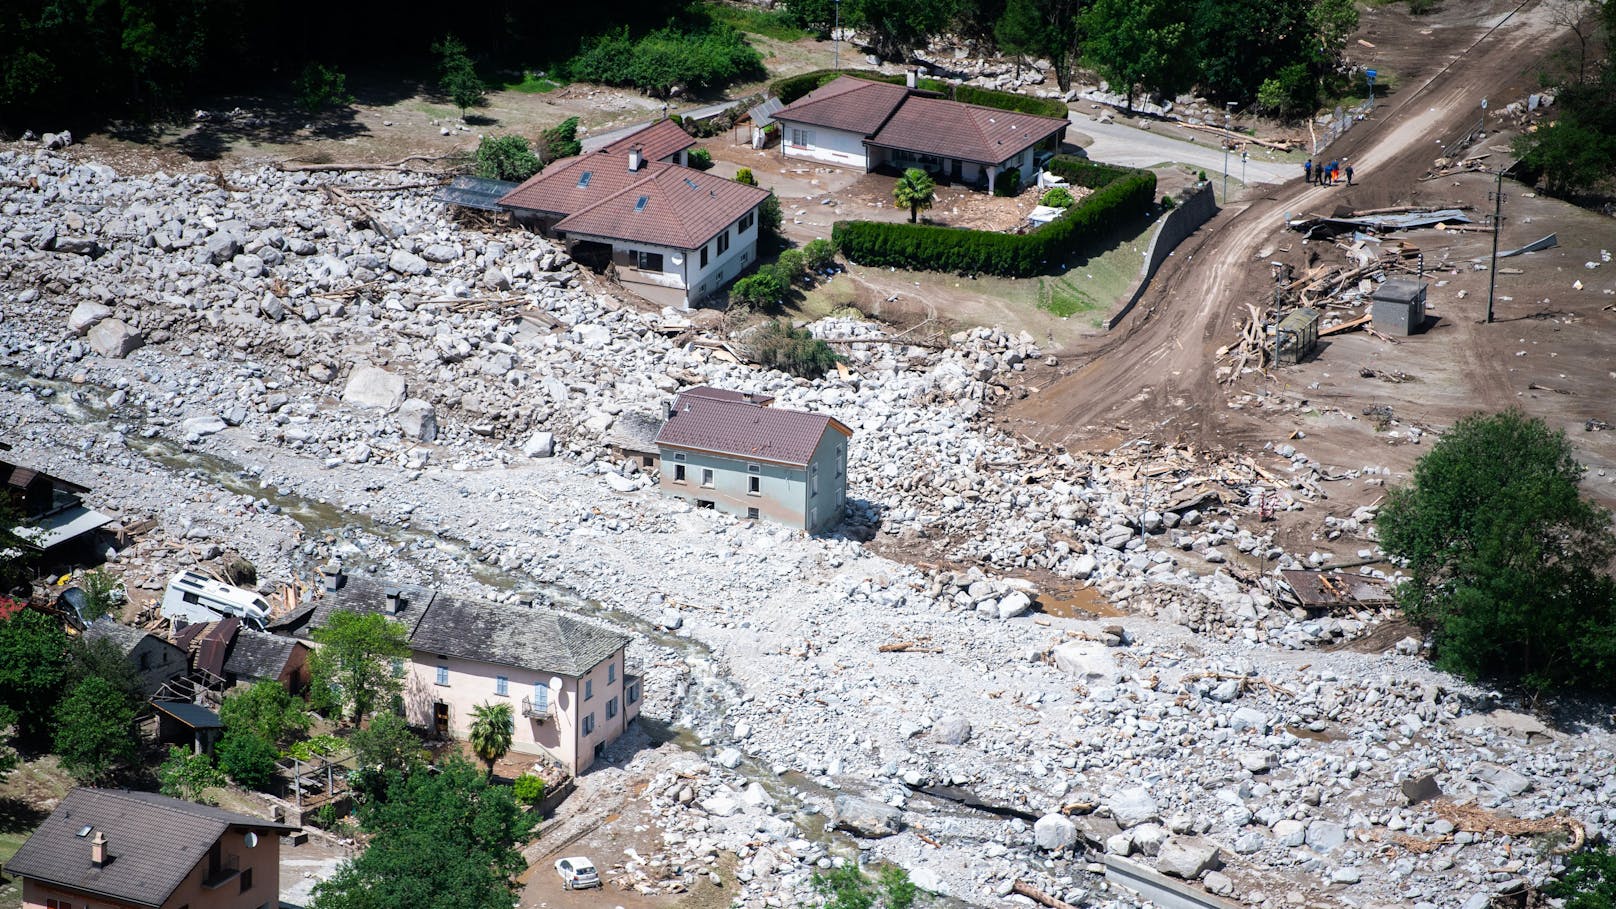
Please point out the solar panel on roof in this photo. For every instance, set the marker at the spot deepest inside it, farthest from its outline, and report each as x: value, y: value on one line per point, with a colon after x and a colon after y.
x: 639, y: 205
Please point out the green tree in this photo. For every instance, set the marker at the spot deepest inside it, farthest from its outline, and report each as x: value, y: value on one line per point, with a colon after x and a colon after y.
x: 247, y: 758
x: 897, y: 27
x: 186, y: 774
x: 102, y: 659
x: 440, y: 839
x: 700, y: 159
x: 897, y: 891
x: 95, y: 731
x: 492, y: 726
x: 528, y: 789
x: 560, y: 141
x: 1505, y: 556
x: 265, y: 709
x: 1575, y: 152
x: 319, y: 87
x: 817, y: 16
x: 1020, y: 31
x: 457, y: 75
x: 387, y: 743
x: 355, y: 659
x: 8, y: 736
x: 915, y: 190
x: 1239, y: 43
x: 505, y: 158
x: 102, y: 594
x: 848, y: 887
x: 760, y: 289
x: 1135, y: 45
x: 1333, y: 23
x: 744, y: 175
x: 33, y: 663
x: 1293, y: 92
x: 818, y: 254
x: 769, y: 217
x: 17, y: 557
x: 780, y: 345
x: 1587, y: 882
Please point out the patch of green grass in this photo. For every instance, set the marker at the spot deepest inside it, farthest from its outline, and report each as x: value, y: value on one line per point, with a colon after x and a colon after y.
x: 11, y: 890
x: 533, y: 84
x: 1064, y: 297
x: 828, y: 297
x: 770, y: 23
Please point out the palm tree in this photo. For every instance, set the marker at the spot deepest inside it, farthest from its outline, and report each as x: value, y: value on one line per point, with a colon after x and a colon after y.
x: 491, y: 728
x: 915, y: 190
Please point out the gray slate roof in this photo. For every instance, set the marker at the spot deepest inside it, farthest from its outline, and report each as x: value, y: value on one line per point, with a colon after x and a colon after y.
x: 123, y: 637
x: 194, y: 716
x: 357, y: 594
x: 257, y: 655
x: 524, y: 637
x: 153, y: 841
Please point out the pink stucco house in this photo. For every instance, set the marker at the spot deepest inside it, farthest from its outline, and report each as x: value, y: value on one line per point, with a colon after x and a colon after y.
x: 115, y: 849
x: 566, y: 679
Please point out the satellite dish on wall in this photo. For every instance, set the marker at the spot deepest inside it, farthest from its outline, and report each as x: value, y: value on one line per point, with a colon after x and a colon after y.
x: 251, y: 839
x: 555, y: 687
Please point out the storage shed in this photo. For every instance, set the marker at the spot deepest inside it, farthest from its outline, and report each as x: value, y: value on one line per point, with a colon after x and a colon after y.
x: 1399, y: 306
x: 1296, y: 336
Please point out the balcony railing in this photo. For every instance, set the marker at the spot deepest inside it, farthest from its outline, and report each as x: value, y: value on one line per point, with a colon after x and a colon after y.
x: 226, y: 872
x: 536, y: 711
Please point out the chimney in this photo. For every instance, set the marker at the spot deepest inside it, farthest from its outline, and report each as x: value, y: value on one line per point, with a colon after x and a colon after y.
x: 98, y: 849
x: 635, y: 159
x: 748, y: 397
x: 395, y: 600
x: 911, y: 78
x: 667, y: 411
x: 332, y: 576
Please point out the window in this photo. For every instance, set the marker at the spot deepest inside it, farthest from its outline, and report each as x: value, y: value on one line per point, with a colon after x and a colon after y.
x: 589, y: 688
x: 648, y: 261
x: 704, y: 255
x: 633, y: 693
x: 611, y: 674
x: 639, y: 204
x: 587, y: 727
x: 145, y: 662
x: 611, y: 708
x: 752, y: 514
x: 58, y: 904
x: 745, y: 222
x: 723, y: 242
x: 443, y: 675
x: 189, y: 597
x: 678, y: 473
x: 541, y: 697
x: 691, y: 183
x: 754, y: 485
x: 502, y: 686
x: 813, y: 517
x: 707, y: 476
x: 398, y: 668
x: 246, y: 879
x: 841, y: 459
x: 813, y: 480
x: 802, y: 137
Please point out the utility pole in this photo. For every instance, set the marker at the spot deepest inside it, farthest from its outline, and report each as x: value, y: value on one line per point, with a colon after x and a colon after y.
x: 836, y: 35
x: 1498, y: 210
x: 1228, y: 126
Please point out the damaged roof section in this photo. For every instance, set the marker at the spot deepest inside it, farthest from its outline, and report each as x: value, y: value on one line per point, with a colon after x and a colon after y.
x: 1381, y: 223
x: 1333, y: 590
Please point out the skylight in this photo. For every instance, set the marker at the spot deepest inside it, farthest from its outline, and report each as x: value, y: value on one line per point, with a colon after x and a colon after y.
x: 639, y: 204
x: 583, y: 179
x: 690, y: 183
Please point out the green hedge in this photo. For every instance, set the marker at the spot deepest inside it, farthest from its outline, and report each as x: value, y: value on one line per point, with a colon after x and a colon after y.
x: 927, y: 247
x: 791, y: 88
x: 1085, y: 173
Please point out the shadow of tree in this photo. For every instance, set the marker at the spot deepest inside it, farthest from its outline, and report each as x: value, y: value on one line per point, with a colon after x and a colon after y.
x: 17, y: 816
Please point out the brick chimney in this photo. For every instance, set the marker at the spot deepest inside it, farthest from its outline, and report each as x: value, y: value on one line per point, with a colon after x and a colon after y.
x: 98, y: 849
x: 636, y: 159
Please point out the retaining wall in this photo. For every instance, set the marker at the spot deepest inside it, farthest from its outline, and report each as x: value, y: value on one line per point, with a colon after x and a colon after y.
x: 1175, y: 226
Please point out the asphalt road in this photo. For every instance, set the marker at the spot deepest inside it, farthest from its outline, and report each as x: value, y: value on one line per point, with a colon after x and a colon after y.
x: 1118, y: 143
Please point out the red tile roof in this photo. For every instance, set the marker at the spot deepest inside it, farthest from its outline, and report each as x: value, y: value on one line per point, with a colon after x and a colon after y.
x: 846, y: 103
x: 950, y: 129
x: 657, y: 141
x: 743, y: 430
x: 671, y: 206
x: 562, y: 187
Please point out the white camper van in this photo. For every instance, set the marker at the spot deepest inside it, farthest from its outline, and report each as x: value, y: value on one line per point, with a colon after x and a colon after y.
x: 199, y: 598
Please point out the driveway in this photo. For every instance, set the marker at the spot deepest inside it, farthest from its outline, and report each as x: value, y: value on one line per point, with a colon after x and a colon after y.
x: 1119, y: 143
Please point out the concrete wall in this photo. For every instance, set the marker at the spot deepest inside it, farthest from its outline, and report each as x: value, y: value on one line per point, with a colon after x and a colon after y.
x: 782, y: 489
x: 830, y: 146
x: 1175, y: 226
x: 264, y: 860
x: 156, y: 661
x: 471, y: 683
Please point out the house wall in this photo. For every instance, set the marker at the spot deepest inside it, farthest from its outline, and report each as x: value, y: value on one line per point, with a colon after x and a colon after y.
x: 722, y: 269
x: 824, y: 511
x: 156, y: 661
x: 471, y: 683
x: 683, y: 281
x: 831, y: 146
x: 782, y: 489
x: 264, y: 860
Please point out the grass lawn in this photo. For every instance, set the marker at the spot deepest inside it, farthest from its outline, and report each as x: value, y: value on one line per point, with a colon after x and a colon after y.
x: 533, y: 84
x: 768, y: 23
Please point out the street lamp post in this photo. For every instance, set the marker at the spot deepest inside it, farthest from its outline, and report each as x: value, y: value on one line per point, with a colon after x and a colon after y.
x: 836, y: 36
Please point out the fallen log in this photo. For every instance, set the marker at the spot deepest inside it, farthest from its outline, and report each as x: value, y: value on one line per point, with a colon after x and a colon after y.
x: 1039, y: 896
x: 908, y: 647
x: 291, y: 166
x: 1359, y: 322
x: 1241, y: 137
x: 968, y: 799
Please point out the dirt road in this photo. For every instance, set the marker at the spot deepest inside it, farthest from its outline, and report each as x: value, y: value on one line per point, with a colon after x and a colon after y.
x: 1154, y: 375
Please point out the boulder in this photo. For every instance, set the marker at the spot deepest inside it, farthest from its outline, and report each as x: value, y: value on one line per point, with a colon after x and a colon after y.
x: 1054, y: 832
x: 85, y: 316
x: 78, y: 246
x: 115, y: 338
x: 418, y: 420
x: 222, y: 248
x: 372, y: 386
x: 952, y: 730
x: 729, y: 758
x: 1325, y: 835
x: 1014, y: 603
x: 1188, y: 858
x: 1090, y: 661
x: 539, y: 445
x: 1501, y: 779
x: 1248, y: 718
x: 1134, y: 806
x: 866, y: 817
x: 196, y: 427
x: 406, y: 263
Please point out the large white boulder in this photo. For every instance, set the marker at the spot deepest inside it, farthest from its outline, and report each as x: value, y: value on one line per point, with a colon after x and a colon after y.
x: 115, y: 338
x: 1090, y: 661
x: 372, y: 386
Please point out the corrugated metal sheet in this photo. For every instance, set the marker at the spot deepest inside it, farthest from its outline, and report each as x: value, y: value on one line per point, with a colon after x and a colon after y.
x: 763, y: 114
x: 475, y: 192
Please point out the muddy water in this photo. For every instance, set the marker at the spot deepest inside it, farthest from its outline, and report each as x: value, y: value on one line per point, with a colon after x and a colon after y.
x: 702, y: 701
x: 1076, y: 603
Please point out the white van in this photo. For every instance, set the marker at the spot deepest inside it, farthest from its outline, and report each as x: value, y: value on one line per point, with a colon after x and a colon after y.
x: 198, y: 598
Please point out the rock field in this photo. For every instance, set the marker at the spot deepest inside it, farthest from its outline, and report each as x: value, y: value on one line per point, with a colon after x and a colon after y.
x: 233, y: 357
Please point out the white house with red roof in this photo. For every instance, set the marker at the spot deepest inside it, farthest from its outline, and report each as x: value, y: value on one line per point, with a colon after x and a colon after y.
x: 673, y: 234
x: 730, y: 451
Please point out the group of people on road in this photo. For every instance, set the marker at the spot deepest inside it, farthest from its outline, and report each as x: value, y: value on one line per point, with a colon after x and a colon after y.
x: 1327, y: 174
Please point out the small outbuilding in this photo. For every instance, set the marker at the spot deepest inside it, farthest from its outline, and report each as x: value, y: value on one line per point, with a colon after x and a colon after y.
x: 181, y: 722
x: 1296, y: 336
x: 1398, y: 306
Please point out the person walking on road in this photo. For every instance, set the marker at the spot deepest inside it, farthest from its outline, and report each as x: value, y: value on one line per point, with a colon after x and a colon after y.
x: 1307, y: 170
x: 1349, y: 174
x: 1329, y: 173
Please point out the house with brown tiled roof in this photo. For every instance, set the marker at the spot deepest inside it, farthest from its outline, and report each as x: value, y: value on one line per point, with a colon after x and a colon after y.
x: 857, y: 123
x: 732, y: 452
x: 672, y: 234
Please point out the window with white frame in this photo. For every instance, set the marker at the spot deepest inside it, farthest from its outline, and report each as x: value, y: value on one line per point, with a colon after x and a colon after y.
x: 502, y: 686
x: 754, y: 485
x: 813, y: 480
x: 841, y: 459
x: 678, y: 473
x: 541, y: 697
x: 707, y: 477
x: 801, y: 137
x: 443, y: 675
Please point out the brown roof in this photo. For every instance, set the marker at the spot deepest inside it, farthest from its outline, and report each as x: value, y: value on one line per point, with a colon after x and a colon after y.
x: 573, y: 184
x: 657, y: 141
x: 746, y: 430
x: 672, y: 206
x: 856, y: 105
x: 153, y: 842
x: 950, y: 129
x: 20, y: 476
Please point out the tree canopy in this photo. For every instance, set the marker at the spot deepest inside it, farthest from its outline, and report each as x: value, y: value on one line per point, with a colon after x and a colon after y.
x: 33, y: 663
x: 506, y: 158
x: 492, y: 726
x: 95, y: 731
x: 1574, y: 149
x: 915, y: 190
x: 265, y: 709
x: 441, y: 839
x: 355, y: 659
x: 1135, y: 45
x: 387, y: 743
x: 1506, y: 557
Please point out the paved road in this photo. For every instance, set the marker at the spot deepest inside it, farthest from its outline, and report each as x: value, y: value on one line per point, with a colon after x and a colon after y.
x: 1118, y: 143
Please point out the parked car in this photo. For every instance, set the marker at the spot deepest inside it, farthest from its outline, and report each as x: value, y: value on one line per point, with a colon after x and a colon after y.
x: 577, y: 873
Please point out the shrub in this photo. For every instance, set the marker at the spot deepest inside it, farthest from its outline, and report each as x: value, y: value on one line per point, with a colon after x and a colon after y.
x: 818, y: 255
x: 185, y: 774
x: 769, y: 217
x: 668, y: 57
x: 1008, y: 182
x: 1588, y: 881
x: 457, y: 76
x: 761, y: 288
x: 247, y: 759
x: 744, y: 175
x: 779, y: 345
x: 1058, y: 197
x: 931, y: 248
x: 700, y: 159
x: 788, y: 268
x: 791, y: 88
x: 1292, y: 92
x: 1167, y: 202
x: 506, y: 158
x: 560, y: 141
x: 319, y: 87
x: 1085, y: 173
x: 528, y: 789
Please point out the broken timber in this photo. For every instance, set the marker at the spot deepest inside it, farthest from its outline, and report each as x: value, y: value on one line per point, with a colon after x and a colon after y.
x: 1039, y: 896
x: 968, y: 799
